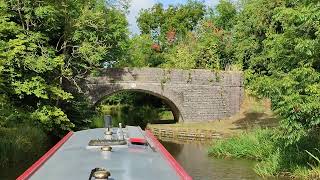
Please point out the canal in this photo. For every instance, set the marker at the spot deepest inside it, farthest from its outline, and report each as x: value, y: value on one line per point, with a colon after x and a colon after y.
x: 195, y: 160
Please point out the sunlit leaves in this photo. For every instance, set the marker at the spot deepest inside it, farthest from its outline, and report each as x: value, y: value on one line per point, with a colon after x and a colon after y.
x: 295, y: 97
x: 43, y: 63
x: 59, y: 93
x: 38, y: 87
x: 293, y: 40
x: 92, y: 53
x: 181, y: 19
x: 99, y: 35
x: 48, y: 15
x: 278, y: 44
x: 141, y: 53
x: 46, y: 46
x: 35, y: 86
x: 51, y: 117
x: 183, y: 56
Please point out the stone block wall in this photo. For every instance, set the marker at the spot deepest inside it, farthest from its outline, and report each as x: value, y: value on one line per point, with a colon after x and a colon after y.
x: 193, y: 95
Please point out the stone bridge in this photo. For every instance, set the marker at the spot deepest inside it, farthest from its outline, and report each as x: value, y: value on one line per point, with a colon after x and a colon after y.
x: 193, y: 95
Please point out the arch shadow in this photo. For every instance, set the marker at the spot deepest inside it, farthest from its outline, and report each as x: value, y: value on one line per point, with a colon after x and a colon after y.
x: 174, y: 109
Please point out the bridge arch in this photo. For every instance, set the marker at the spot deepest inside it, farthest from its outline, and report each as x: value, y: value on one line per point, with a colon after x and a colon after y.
x: 193, y: 95
x: 174, y: 109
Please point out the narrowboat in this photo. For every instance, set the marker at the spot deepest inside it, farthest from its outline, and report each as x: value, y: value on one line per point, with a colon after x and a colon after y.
x: 112, y: 153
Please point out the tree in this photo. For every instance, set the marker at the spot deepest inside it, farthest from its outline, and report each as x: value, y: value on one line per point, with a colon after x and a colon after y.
x: 143, y: 53
x: 295, y: 98
x: 280, y: 53
x: 46, y: 46
x: 207, y: 47
x: 250, y: 30
x: 180, y: 19
x: 183, y: 55
x: 224, y: 15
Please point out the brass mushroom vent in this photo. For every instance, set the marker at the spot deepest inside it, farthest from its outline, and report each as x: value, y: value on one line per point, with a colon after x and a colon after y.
x: 106, y: 148
x: 99, y: 174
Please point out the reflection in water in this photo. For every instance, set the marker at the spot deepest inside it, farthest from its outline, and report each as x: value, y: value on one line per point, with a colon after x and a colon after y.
x: 134, y: 115
x: 194, y: 159
x: 12, y: 172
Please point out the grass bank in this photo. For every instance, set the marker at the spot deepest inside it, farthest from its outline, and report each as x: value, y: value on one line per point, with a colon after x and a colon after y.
x: 273, y: 157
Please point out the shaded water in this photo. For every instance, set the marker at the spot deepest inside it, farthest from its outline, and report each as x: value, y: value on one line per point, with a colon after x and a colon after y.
x: 13, y: 171
x: 194, y: 159
x: 132, y: 115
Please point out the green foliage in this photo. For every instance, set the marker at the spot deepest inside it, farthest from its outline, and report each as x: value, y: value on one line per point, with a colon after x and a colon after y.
x: 224, y: 15
x: 179, y: 19
x: 293, y: 38
x: 132, y: 108
x: 250, y: 30
x: 205, y: 48
x: 172, y: 38
x: 52, y: 117
x: 127, y: 115
x: 79, y: 112
x: 317, y: 160
x: 142, y: 54
x: 165, y: 115
x: 278, y: 45
x: 125, y: 97
x: 161, y: 29
x: 295, y: 97
x: 272, y: 36
x: 182, y: 56
x: 46, y: 47
x: 273, y: 155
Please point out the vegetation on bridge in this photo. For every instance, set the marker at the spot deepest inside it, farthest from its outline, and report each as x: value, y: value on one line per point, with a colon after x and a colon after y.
x: 46, y: 47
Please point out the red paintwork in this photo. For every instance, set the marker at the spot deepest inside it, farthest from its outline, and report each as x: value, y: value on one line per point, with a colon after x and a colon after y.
x: 137, y: 140
x: 44, y: 158
x: 183, y: 174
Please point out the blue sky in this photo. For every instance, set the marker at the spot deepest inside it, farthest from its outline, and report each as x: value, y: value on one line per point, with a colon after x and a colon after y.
x: 137, y: 5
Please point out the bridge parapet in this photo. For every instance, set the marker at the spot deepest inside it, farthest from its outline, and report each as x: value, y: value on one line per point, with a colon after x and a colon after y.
x: 169, y: 76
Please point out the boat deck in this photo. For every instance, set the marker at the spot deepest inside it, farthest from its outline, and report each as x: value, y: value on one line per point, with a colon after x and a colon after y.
x: 75, y: 160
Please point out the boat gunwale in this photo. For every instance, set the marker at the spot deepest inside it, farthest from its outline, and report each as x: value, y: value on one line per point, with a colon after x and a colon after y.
x: 174, y: 164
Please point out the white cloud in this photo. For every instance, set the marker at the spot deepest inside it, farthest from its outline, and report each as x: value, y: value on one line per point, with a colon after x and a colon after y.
x: 136, y: 6
x: 211, y: 3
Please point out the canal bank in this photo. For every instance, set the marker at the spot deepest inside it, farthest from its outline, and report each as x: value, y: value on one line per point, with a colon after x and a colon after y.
x: 253, y: 114
x: 244, y: 136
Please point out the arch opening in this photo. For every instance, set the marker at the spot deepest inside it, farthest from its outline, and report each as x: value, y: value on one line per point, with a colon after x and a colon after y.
x: 139, y: 107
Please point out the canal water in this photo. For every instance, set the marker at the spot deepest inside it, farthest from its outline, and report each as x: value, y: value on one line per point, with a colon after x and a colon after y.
x: 194, y: 159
